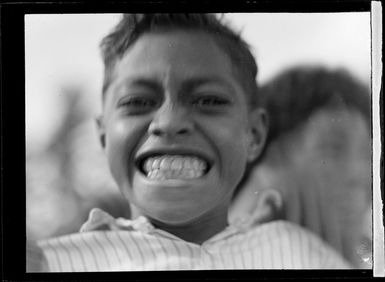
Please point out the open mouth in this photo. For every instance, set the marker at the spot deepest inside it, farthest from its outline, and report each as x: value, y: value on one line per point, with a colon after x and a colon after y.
x: 162, y: 167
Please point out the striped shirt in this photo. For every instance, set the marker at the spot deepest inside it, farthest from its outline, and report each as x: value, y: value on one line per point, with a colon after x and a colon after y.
x: 136, y: 245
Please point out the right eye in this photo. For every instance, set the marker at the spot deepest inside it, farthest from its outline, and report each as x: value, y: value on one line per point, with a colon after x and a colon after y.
x: 137, y: 105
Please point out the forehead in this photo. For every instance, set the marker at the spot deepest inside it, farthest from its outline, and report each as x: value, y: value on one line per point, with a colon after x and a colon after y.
x: 174, y: 56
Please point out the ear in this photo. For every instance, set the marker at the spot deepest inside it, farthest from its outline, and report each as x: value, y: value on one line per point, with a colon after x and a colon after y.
x: 258, y: 128
x: 101, y: 130
x: 268, y: 206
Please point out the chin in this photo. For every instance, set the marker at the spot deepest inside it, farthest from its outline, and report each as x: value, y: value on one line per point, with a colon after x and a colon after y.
x: 173, y: 216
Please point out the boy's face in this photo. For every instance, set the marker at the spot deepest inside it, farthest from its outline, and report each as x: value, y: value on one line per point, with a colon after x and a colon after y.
x: 177, y: 128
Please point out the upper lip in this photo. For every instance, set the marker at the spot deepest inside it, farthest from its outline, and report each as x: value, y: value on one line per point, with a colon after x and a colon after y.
x: 140, y: 157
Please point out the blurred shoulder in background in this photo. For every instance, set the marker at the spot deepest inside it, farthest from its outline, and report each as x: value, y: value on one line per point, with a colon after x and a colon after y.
x: 316, y: 168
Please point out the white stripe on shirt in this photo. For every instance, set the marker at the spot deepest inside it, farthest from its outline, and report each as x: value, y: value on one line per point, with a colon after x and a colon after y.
x: 274, y: 245
x: 80, y: 253
x: 75, y: 255
x: 116, y: 253
x: 121, y: 249
x: 137, y: 265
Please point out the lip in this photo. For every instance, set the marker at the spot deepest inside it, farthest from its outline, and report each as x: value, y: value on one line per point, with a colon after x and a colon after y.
x: 140, y: 157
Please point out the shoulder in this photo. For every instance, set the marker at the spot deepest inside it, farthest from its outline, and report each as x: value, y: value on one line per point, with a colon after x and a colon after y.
x: 305, y: 249
x: 281, y: 229
x: 88, y: 240
x: 89, y: 251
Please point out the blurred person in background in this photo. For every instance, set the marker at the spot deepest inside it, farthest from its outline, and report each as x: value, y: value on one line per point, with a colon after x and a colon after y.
x: 315, y: 170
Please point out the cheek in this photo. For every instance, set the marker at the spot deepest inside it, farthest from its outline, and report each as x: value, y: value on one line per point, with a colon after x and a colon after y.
x: 229, y: 138
x: 227, y: 134
x: 122, y: 138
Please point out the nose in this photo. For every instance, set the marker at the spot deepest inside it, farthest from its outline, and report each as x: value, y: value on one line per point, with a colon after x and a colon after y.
x: 171, y: 121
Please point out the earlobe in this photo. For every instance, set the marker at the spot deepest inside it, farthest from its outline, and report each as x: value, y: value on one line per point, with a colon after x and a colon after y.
x: 257, y: 133
x: 101, y: 131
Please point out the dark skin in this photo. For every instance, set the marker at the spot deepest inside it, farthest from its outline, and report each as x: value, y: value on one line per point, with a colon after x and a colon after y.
x: 175, y: 94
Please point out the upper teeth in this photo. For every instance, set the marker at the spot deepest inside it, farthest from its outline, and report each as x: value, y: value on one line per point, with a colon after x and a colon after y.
x: 167, y: 166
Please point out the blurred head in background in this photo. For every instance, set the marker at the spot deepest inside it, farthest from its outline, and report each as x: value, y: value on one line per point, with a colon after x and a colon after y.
x: 317, y: 163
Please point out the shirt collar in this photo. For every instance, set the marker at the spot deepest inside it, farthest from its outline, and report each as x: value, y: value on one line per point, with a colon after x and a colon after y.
x: 99, y: 220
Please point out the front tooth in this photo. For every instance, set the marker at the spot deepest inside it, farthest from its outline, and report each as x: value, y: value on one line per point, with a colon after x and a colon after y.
x: 176, y: 163
x: 168, y: 174
x: 162, y: 175
x: 187, y: 163
x: 202, y: 165
x: 156, y: 174
x: 148, y: 165
x: 150, y: 174
x: 195, y: 163
x: 174, y: 173
x: 191, y: 173
x: 155, y: 163
x: 165, y: 163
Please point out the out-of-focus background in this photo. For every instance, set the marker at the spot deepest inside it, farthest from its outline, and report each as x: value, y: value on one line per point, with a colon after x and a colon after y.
x: 66, y: 170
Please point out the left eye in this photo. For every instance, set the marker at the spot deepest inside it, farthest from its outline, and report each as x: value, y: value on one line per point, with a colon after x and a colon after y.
x: 138, y: 105
x: 210, y: 101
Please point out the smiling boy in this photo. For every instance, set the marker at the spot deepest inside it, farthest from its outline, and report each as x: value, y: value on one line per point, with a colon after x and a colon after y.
x: 178, y: 130
x: 180, y: 123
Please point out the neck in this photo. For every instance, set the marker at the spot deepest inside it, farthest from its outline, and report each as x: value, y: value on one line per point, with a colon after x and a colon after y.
x: 198, y: 230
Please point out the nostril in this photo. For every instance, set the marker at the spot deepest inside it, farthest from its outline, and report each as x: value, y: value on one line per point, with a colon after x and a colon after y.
x: 157, y: 132
x: 182, y: 131
x: 160, y: 132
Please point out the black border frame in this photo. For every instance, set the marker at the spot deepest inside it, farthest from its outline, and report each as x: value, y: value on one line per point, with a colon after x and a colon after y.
x: 13, y: 233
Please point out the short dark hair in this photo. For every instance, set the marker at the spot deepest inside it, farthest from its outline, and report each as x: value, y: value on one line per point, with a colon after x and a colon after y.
x: 132, y: 26
x: 296, y: 93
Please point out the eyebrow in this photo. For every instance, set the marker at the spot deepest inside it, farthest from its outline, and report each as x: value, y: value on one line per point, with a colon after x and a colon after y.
x: 144, y: 82
x: 194, y: 83
x: 187, y: 86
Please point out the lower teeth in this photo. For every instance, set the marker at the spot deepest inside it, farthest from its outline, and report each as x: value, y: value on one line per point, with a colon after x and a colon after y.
x: 174, y: 174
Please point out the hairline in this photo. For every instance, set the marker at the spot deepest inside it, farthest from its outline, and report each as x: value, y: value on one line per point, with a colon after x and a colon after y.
x: 219, y: 41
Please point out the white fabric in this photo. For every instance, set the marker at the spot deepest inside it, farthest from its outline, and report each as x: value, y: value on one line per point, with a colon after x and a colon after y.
x: 136, y: 245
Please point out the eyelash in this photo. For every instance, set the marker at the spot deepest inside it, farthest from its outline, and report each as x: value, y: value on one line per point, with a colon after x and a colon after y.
x: 210, y: 101
x: 137, y: 105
